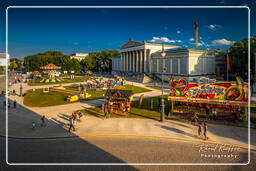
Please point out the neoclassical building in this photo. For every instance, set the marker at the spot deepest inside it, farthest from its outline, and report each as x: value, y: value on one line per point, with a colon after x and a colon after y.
x: 145, y: 57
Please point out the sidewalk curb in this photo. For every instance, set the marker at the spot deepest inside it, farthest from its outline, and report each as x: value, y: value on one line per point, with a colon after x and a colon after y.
x: 140, y: 136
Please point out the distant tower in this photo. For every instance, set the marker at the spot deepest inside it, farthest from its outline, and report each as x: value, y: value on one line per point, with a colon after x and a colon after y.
x: 196, y: 33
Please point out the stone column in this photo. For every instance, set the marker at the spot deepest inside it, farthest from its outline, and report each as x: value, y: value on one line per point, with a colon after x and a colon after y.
x: 130, y: 61
x: 145, y: 60
x: 137, y: 61
x: 122, y: 59
x: 178, y: 66
x: 171, y: 65
x: 126, y: 61
x: 134, y: 62
x: 157, y: 65
x: 141, y: 57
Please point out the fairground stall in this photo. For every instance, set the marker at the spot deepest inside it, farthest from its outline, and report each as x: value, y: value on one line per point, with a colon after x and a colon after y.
x: 51, y: 74
x: 207, y: 98
x: 119, y: 100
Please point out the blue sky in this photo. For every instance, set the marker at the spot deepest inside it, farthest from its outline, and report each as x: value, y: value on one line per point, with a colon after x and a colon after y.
x: 86, y: 30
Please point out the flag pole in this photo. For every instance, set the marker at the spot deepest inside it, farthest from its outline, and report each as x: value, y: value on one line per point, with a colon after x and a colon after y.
x: 228, y: 64
x: 227, y: 73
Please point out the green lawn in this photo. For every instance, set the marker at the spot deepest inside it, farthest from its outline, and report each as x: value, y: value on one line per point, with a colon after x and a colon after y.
x: 66, y: 80
x: 144, y: 111
x: 38, y: 98
x: 135, y: 89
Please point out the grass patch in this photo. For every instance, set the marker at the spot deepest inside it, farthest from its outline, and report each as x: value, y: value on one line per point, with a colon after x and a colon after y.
x: 135, y: 89
x: 38, y: 98
x: 145, y: 111
x: 66, y: 80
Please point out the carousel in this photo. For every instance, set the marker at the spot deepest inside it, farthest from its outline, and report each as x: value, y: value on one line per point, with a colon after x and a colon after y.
x: 51, y: 74
x: 119, y: 100
x: 207, y: 98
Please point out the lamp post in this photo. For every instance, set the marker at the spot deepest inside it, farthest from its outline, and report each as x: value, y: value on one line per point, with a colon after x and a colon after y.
x: 162, y: 100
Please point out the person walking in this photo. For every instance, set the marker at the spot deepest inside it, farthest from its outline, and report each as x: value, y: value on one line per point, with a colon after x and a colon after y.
x: 43, y: 120
x: 205, y: 130
x: 71, y: 124
x: 9, y: 105
x: 80, y: 114
x: 14, y: 104
x: 74, y: 118
x: 21, y: 90
x: 33, y: 125
x: 199, y: 130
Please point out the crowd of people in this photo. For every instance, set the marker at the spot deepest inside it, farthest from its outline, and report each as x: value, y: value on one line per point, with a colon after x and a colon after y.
x: 75, y: 116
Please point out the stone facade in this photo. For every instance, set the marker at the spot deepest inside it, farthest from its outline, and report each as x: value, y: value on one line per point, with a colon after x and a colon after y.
x: 79, y: 56
x: 144, y: 57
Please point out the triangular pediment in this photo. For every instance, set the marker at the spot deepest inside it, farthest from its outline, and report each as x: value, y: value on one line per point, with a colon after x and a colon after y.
x: 132, y: 43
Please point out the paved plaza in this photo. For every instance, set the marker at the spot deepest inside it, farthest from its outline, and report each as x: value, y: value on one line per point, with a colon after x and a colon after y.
x: 21, y: 118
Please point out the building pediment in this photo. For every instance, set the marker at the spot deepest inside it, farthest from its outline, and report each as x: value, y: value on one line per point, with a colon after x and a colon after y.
x: 131, y: 43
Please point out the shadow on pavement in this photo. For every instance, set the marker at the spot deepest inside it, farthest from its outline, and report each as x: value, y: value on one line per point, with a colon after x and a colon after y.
x: 236, y: 133
x: 177, y: 131
x: 34, y: 148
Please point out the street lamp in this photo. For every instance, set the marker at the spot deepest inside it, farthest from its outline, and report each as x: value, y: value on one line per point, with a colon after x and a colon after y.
x: 162, y: 100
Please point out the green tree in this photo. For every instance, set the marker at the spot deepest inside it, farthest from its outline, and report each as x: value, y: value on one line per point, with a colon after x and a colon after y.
x: 1, y: 69
x: 103, y: 59
x: 238, y: 53
x: 17, y: 61
x: 13, y: 65
x: 88, y: 64
x: 34, y: 62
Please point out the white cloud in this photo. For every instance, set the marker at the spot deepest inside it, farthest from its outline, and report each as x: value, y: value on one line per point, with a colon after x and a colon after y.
x: 214, y: 27
x: 163, y: 40
x: 222, y: 42
x: 191, y: 39
x: 178, y: 32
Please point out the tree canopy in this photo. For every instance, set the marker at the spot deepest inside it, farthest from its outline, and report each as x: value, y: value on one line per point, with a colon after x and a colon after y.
x: 238, y: 53
x: 98, y: 61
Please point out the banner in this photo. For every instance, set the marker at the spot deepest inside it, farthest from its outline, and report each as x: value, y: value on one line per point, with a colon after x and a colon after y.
x: 209, y: 89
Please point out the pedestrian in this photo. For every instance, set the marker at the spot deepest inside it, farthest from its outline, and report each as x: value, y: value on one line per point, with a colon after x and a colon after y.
x: 80, y: 115
x: 9, y: 105
x: 14, y: 104
x: 199, y: 130
x: 105, y: 110
x: 71, y: 124
x: 21, y: 90
x: 33, y: 125
x: 74, y: 118
x: 205, y: 130
x: 43, y: 120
